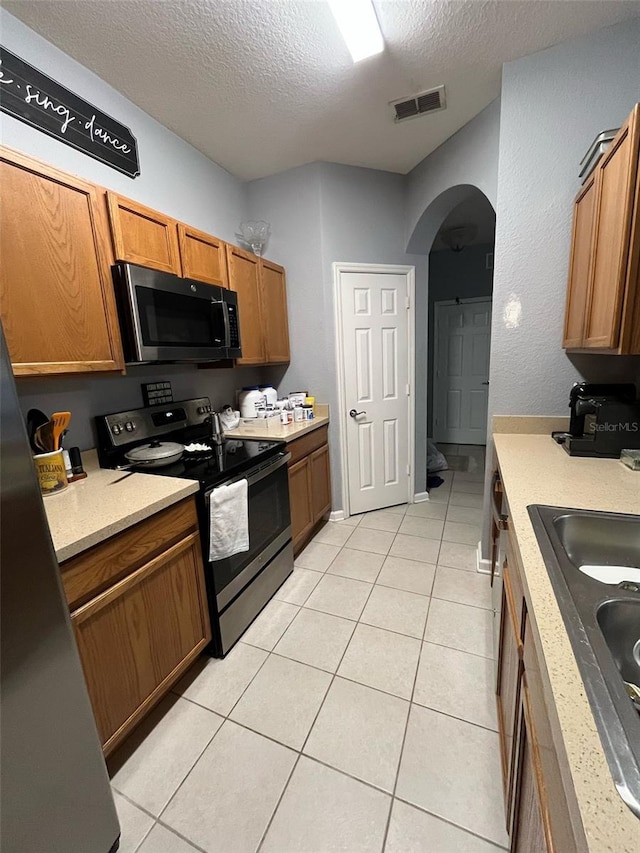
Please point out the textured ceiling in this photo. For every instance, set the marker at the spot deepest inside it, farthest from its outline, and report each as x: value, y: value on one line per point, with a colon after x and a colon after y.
x: 260, y: 86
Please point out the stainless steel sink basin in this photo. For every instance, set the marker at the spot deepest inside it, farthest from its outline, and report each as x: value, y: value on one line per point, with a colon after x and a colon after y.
x: 599, y: 540
x: 619, y: 621
x: 603, y: 623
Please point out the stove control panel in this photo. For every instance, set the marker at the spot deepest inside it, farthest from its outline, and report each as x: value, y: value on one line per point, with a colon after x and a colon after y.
x: 123, y: 428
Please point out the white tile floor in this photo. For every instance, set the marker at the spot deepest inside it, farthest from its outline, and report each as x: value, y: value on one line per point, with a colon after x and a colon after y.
x: 356, y: 714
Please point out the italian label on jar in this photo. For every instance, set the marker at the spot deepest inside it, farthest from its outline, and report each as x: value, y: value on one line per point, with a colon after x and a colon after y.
x: 52, y: 476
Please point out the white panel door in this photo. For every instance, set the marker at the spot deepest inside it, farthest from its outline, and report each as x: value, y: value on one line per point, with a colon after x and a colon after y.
x: 461, y: 392
x: 375, y: 345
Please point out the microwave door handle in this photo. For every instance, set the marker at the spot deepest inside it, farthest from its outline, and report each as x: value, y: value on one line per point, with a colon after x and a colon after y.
x: 227, y: 326
x: 221, y: 305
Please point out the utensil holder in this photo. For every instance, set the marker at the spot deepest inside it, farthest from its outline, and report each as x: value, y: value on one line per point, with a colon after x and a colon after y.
x: 51, y: 472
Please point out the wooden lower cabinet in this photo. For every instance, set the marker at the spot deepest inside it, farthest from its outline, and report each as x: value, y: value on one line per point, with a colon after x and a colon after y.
x: 510, y: 654
x: 529, y: 834
x: 138, y: 635
x: 538, y: 817
x: 309, y: 485
x: 300, y: 501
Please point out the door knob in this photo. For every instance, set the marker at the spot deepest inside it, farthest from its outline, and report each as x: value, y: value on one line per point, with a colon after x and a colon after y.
x: 486, y: 383
x: 354, y: 414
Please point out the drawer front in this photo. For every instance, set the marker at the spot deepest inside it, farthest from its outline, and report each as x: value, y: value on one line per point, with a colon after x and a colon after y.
x: 306, y: 444
x: 91, y: 572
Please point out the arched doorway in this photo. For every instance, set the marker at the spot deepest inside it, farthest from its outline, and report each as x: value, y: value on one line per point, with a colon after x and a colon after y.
x: 456, y: 231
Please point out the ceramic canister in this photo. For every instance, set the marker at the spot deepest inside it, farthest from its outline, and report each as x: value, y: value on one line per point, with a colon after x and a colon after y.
x: 52, y: 476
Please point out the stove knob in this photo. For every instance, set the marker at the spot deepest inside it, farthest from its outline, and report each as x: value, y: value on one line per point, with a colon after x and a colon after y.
x: 129, y: 426
x: 116, y: 429
x: 201, y: 410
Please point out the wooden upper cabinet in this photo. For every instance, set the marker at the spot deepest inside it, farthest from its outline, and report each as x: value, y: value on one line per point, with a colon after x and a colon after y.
x: 616, y: 186
x: 244, y: 278
x: 275, y: 317
x: 603, y: 295
x: 58, y: 308
x: 203, y: 256
x: 579, y: 265
x: 142, y: 235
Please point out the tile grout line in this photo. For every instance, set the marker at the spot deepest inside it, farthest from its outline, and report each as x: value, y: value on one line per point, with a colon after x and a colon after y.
x: 334, y: 675
x: 308, y: 735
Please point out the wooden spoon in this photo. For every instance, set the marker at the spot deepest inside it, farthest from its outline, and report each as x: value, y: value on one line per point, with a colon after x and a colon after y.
x: 59, y: 421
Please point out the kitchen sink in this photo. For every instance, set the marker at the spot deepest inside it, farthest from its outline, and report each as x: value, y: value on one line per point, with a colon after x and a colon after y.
x: 591, y: 539
x: 593, y: 560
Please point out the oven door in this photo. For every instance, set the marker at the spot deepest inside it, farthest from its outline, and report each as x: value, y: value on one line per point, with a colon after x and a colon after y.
x: 166, y: 318
x: 269, y: 528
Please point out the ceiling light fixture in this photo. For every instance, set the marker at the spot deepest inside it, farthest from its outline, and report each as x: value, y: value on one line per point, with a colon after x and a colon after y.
x: 359, y: 26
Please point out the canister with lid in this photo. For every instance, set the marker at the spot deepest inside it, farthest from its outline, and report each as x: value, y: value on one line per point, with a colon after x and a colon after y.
x: 249, y: 399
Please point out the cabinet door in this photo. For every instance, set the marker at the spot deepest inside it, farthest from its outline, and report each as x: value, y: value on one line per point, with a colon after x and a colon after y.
x: 530, y: 831
x: 510, y: 654
x: 615, y: 188
x: 142, y: 235
x: 58, y: 308
x: 579, y: 265
x: 244, y: 278
x: 137, y: 637
x: 203, y: 256
x: 300, y: 500
x: 275, y: 317
x: 320, y: 483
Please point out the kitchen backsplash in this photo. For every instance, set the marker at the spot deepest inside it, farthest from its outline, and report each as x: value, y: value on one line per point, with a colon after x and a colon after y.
x: 88, y: 396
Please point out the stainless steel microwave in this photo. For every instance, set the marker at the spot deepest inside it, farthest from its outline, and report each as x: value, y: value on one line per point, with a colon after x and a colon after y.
x: 165, y: 318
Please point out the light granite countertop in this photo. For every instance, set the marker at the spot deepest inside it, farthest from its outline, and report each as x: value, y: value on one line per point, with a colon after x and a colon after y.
x: 105, y: 503
x: 273, y: 429
x: 536, y: 470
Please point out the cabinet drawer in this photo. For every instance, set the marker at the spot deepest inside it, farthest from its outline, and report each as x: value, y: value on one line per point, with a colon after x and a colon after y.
x: 94, y: 570
x: 306, y: 444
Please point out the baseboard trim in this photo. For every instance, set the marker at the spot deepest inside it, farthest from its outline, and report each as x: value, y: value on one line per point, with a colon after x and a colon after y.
x: 419, y: 497
x: 337, y: 515
x: 483, y: 566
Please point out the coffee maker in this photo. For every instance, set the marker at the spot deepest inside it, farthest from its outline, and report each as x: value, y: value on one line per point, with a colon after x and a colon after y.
x: 605, y: 419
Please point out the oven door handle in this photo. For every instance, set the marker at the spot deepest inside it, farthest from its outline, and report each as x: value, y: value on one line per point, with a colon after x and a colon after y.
x: 259, y: 473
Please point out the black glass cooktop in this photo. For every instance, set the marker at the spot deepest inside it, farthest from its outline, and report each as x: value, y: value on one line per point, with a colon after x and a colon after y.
x: 232, y: 457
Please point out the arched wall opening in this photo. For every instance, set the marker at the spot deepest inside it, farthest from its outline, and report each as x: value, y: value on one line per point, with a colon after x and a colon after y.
x: 451, y: 274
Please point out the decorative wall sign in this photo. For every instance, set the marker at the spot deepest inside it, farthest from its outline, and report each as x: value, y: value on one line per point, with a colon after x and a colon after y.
x: 30, y: 96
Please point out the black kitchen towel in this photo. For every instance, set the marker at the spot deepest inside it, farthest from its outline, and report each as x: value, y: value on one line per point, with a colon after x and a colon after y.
x: 433, y: 482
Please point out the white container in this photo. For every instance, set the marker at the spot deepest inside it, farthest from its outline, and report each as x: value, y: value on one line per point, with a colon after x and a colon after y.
x: 250, y: 399
x: 298, y: 414
x: 270, y: 394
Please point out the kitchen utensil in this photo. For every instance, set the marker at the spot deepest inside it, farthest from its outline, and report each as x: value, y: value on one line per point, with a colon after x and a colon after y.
x: 60, y: 421
x: 43, y: 438
x: 156, y: 454
x: 35, y: 418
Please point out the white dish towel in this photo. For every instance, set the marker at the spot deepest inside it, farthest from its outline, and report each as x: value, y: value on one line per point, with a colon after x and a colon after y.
x: 228, y: 521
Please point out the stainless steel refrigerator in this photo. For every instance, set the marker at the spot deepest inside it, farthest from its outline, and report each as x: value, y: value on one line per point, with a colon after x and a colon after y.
x: 55, y: 795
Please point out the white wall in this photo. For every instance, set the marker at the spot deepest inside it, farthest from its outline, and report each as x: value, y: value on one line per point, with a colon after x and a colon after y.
x: 175, y: 178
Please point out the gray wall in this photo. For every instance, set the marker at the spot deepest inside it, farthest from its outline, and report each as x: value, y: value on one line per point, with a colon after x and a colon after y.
x: 553, y: 105
x: 468, y: 160
x: 454, y: 274
x: 321, y: 214
x: 175, y: 178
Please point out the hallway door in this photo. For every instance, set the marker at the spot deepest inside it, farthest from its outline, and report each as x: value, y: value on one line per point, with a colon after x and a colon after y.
x: 461, y: 371
x: 375, y: 321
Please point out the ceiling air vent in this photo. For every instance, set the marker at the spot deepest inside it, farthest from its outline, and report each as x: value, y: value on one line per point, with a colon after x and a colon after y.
x: 420, y: 104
